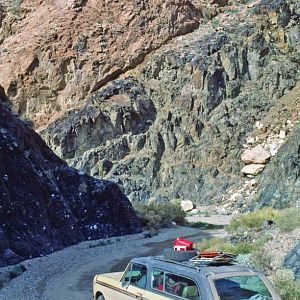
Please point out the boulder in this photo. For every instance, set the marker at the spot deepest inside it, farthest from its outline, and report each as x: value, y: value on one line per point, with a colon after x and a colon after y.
x: 194, y: 211
x: 253, y: 169
x: 187, y: 205
x: 257, y: 155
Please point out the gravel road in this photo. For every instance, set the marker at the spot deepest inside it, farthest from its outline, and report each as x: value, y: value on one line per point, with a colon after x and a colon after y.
x: 68, y: 274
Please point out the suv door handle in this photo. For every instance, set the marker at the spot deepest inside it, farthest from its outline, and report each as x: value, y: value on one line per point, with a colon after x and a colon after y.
x: 139, y: 296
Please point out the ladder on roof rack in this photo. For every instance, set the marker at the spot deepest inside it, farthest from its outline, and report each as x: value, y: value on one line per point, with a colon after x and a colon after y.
x: 213, y: 258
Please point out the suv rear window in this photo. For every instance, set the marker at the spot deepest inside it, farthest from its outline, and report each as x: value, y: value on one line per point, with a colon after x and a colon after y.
x: 173, y: 284
x: 242, y: 288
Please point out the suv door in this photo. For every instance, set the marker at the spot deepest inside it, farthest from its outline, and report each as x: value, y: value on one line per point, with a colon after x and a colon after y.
x: 133, y: 283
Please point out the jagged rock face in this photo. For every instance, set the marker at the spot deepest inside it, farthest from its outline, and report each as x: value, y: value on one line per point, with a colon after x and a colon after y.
x: 292, y: 261
x: 75, y: 47
x: 206, y: 90
x: 281, y: 181
x: 46, y: 205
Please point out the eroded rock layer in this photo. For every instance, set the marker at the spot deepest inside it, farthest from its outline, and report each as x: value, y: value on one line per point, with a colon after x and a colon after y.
x: 55, y: 53
x: 46, y: 205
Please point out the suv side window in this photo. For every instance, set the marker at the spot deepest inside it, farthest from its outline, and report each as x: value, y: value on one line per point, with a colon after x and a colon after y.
x: 136, y: 275
x: 173, y: 284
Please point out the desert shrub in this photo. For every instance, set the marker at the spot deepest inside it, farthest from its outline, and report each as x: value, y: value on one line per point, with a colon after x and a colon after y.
x: 204, y: 225
x: 101, y: 243
x: 224, y: 246
x: 253, y: 220
x: 289, y: 219
x: 286, y: 285
x: 14, y: 6
x: 260, y: 259
x: 286, y: 220
x: 7, y: 276
x: 156, y: 216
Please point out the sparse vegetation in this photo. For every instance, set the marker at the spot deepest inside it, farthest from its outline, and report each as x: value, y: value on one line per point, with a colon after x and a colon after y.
x: 215, y: 23
x: 101, y: 243
x: 249, y: 235
x: 289, y: 220
x: 205, y: 226
x: 286, y: 284
x: 225, y: 246
x: 286, y: 220
x: 260, y: 259
x: 230, y: 10
x: 14, y: 6
x: 155, y: 216
x: 252, y: 220
x: 81, y: 45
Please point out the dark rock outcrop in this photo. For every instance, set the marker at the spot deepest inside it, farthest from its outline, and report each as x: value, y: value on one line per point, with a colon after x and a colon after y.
x: 46, y: 205
x: 292, y: 261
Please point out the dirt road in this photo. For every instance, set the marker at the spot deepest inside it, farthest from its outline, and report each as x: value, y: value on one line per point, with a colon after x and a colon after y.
x: 68, y: 274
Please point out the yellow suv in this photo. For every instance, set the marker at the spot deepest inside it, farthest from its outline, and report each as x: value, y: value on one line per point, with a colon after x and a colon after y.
x: 155, y: 278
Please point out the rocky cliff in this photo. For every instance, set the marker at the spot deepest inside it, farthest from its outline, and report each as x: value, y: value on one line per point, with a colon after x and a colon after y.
x: 73, y: 48
x: 167, y: 94
x: 46, y: 205
x: 205, y: 93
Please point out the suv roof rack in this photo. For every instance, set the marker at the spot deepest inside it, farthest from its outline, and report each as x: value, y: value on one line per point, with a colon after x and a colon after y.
x: 222, y: 259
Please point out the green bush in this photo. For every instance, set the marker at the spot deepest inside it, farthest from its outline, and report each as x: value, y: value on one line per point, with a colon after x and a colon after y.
x: 289, y: 219
x: 286, y: 285
x: 260, y: 259
x: 224, y: 246
x: 156, y: 216
x: 14, y: 6
x: 101, y: 243
x: 204, y: 225
x: 253, y: 220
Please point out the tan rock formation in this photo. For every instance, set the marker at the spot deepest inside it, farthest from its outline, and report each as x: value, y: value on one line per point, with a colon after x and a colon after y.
x: 257, y: 155
x: 253, y: 169
x: 61, y: 51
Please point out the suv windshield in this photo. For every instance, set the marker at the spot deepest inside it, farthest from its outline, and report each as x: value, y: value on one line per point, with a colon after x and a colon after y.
x: 242, y: 288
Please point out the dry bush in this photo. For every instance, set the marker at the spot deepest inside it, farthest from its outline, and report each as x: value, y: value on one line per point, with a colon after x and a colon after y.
x: 155, y: 216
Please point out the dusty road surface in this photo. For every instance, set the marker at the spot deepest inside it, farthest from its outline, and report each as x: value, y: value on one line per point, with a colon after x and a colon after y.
x: 68, y: 274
